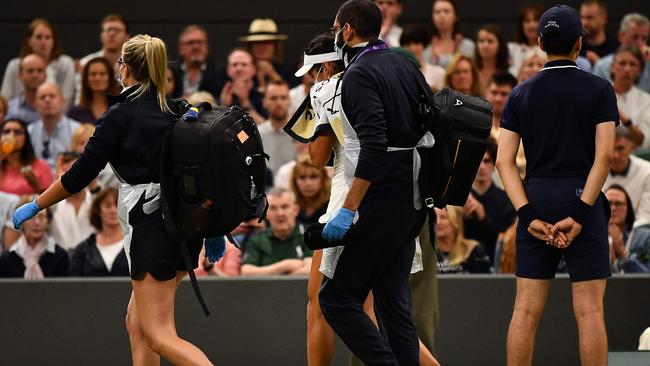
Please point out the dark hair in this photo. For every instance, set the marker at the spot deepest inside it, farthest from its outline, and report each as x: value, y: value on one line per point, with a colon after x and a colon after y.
x: 94, y: 215
x: 491, y: 149
x: 86, y: 96
x: 363, y: 16
x: 455, y: 31
x: 537, y: 10
x: 25, y: 49
x: 637, y: 55
x: 502, y: 78
x: 324, y: 43
x: 27, y: 155
x: 502, y: 51
x: 417, y: 34
x: 629, y: 215
x: 558, y: 49
x: 116, y: 18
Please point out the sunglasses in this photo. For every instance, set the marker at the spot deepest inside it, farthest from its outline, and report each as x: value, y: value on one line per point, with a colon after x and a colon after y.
x: 46, y: 148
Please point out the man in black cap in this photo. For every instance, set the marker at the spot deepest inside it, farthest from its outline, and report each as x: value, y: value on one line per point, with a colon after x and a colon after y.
x: 566, y: 119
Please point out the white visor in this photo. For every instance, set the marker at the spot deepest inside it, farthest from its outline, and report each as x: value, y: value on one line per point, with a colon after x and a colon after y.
x: 311, y: 60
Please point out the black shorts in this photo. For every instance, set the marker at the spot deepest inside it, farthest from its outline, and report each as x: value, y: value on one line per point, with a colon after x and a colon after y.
x: 587, y: 257
x: 153, y: 250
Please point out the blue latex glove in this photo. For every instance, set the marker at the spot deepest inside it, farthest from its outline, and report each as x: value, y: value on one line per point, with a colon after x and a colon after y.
x: 215, y: 248
x: 338, y: 225
x: 24, y: 213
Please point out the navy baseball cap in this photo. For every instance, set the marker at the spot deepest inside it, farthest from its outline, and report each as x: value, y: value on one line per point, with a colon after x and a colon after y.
x: 561, y: 24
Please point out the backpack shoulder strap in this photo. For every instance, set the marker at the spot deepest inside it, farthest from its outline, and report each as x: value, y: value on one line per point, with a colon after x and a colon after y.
x: 168, y: 195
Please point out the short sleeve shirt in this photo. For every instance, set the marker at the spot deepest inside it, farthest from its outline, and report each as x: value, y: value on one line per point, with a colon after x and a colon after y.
x: 264, y: 248
x: 556, y: 113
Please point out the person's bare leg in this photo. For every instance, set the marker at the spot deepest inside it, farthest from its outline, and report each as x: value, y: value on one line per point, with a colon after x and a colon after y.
x: 588, y: 308
x: 141, y: 354
x: 155, y: 305
x: 426, y: 358
x: 320, y: 336
x: 529, y: 304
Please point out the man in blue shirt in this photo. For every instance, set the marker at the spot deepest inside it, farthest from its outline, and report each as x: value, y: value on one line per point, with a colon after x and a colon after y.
x: 52, y: 133
x: 32, y: 75
x: 566, y: 119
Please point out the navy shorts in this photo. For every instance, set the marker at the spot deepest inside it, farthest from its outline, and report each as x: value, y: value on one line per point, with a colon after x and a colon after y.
x: 587, y: 257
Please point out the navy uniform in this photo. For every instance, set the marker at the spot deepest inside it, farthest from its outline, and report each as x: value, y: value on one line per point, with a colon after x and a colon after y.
x: 129, y: 136
x: 379, y: 247
x: 556, y: 113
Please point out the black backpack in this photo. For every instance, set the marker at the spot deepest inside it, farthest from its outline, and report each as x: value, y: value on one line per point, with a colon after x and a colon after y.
x: 461, y: 125
x: 212, y: 175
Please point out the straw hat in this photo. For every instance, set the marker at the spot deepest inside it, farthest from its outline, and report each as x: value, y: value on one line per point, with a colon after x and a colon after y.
x: 263, y: 29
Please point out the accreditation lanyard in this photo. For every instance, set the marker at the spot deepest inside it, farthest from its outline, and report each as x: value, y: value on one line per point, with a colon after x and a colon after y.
x: 369, y: 49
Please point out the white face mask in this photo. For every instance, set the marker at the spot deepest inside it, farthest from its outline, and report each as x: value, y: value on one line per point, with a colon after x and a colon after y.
x: 337, y: 49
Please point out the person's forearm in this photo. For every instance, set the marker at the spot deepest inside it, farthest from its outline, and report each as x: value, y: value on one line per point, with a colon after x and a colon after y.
x: 356, y: 193
x: 320, y: 149
x: 253, y: 270
x: 602, y: 160
x: 511, y: 180
x: 55, y: 193
x: 304, y: 269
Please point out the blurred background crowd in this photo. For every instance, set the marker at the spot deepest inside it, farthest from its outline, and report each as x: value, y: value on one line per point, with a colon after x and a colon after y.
x: 52, y: 98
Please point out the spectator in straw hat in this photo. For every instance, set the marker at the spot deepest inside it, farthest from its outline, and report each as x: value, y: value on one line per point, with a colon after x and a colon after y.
x: 264, y: 42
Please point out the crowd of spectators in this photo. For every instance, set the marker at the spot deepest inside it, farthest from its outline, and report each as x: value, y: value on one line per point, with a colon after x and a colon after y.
x: 50, y: 104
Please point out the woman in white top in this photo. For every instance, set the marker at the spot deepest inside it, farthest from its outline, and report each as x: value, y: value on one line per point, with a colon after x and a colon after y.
x: 633, y: 103
x: 41, y: 39
x: 491, y: 53
x: 102, y: 254
x: 326, y: 134
x: 525, y: 35
x: 447, y: 40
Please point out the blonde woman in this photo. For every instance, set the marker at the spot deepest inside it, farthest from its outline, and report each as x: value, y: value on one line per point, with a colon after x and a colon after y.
x: 128, y: 137
x: 462, y: 75
x: 459, y: 254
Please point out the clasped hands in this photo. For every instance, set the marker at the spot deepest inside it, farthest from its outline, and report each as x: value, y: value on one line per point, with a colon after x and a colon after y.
x: 559, y: 235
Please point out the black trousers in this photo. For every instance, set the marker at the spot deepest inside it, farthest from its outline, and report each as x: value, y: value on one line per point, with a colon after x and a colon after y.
x: 378, y: 255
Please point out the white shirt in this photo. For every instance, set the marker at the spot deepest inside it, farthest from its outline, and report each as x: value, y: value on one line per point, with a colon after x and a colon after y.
x: 393, y: 36
x: 69, y: 228
x: 296, y: 96
x: 637, y: 184
x: 277, y: 144
x: 109, y: 252
x: 636, y: 105
x: 60, y: 71
x: 326, y: 102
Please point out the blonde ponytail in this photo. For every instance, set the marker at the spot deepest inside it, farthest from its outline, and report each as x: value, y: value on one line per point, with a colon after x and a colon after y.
x: 146, y: 58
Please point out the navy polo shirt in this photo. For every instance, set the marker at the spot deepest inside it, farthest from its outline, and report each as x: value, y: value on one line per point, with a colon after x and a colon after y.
x: 556, y: 113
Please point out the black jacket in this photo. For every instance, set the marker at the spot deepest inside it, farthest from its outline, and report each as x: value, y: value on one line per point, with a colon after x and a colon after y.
x: 379, y: 98
x: 212, y: 79
x: 52, y: 264
x: 88, y: 262
x: 129, y: 136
